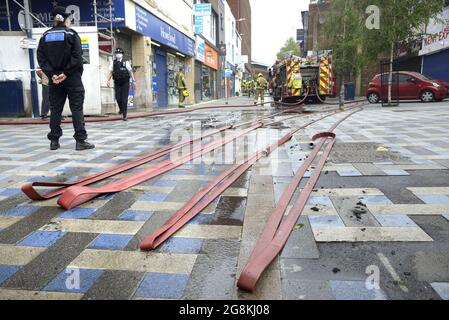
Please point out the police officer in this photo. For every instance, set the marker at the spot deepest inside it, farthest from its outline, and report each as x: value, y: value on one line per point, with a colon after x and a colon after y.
x: 121, y: 72
x: 182, y: 87
x: 60, y: 57
x: 261, y: 84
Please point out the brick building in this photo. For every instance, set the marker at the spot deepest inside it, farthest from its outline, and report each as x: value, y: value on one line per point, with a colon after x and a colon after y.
x: 241, y: 9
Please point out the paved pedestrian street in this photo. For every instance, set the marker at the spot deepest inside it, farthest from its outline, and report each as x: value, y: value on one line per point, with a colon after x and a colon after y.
x: 394, y: 162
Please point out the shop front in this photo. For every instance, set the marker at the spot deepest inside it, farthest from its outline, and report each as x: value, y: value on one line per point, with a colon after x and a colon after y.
x: 435, y: 48
x: 209, y: 74
x: 171, y: 50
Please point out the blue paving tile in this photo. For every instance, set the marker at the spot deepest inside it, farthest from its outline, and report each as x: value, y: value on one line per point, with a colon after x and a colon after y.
x: 41, y: 239
x: 355, y: 290
x: 395, y: 220
x: 77, y: 213
x: 6, y: 271
x: 349, y: 173
x: 324, y: 201
x: 165, y: 183
x: 74, y: 280
x: 162, y: 285
x: 107, y: 196
x: 153, y: 196
x: 434, y: 199
x: 182, y: 245
x: 423, y: 161
x: 110, y: 241
x: 202, y: 219
x: 136, y: 215
x: 180, y: 172
x: 20, y: 211
x: 9, y: 192
x: 379, y: 200
x: 23, y: 168
x: 396, y: 172
x: 319, y: 221
x: 442, y: 288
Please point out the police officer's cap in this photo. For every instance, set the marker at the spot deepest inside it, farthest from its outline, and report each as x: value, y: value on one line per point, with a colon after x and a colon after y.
x: 119, y: 50
x: 61, y: 11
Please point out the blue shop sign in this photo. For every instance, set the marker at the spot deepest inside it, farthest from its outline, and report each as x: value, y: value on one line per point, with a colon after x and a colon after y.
x: 202, y: 9
x: 82, y: 12
x: 153, y: 27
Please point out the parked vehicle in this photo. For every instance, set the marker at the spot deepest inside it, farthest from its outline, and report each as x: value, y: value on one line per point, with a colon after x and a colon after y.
x: 294, y: 77
x: 407, y: 85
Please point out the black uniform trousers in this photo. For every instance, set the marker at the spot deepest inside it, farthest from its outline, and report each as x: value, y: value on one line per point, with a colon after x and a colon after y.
x: 121, y: 95
x: 73, y: 89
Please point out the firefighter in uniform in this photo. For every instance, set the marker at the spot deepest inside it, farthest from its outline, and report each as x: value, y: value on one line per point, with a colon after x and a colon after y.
x: 182, y: 87
x: 261, y: 84
x: 250, y: 85
x: 121, y: 72
x: 60, y: 57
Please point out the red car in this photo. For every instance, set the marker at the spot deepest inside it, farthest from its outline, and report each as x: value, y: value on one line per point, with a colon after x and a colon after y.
x: 412, y: 86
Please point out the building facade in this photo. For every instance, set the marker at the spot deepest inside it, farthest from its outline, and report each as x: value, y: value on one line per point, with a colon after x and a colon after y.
x: 241, y: 9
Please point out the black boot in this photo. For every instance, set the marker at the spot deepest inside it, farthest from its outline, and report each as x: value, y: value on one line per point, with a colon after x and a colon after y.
x: 84, y: 145
x: 54, y: 145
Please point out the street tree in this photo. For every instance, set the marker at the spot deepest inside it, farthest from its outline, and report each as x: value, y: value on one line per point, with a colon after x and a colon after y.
x: 400, y: 20
x: 290, y: 47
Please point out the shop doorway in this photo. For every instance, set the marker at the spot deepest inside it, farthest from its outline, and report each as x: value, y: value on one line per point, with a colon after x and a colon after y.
x: 161, y: 78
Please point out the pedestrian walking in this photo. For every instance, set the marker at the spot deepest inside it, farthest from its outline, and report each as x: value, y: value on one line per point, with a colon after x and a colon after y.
x: 261, y: 84
x: 121, y: 71
x: 45, y: 106
x: 60, y: 57
x: 182, y: 87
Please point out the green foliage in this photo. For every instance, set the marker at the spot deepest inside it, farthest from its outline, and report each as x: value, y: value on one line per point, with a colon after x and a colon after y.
x: 355, y: 45
x: 290, y: 46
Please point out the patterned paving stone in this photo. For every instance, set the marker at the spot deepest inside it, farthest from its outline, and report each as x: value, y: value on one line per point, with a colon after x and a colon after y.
x: 74, y: 280
x: 135, y: 215
x: 6, y: 271
x: 77, y: 213
x: 355, y: 290
x: 442, y: 288
x: 41, y: 239
x: 110, y: 241
x: 163, y: 286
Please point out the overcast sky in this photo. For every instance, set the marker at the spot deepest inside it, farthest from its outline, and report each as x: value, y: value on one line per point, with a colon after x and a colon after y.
x: 273, y: 22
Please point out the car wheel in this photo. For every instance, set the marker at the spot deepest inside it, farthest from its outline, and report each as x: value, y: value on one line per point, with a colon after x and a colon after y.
x: 373, y: 97
x: 427, y: 96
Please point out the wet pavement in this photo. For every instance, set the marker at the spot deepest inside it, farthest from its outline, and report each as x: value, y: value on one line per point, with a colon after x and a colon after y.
x: 395, y: 161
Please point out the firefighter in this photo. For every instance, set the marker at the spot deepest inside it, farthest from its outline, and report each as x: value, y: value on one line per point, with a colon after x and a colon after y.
x: 261, y: 84
x: 121, y: 71
x: 250, y: 86
x: 182, y: 87
x: 60, y: 57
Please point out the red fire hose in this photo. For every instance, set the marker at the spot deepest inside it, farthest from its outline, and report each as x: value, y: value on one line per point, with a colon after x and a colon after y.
x: 275, y: 234
x: 202, y: 199
x: 77, y: 194
x: 32, y: 193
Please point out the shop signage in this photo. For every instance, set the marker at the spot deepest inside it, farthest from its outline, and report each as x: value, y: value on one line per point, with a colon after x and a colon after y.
x: 200, y: 49
x: 159, y: 31
x: 438, y: 37
x: 199, y: 25
x: 82, y: 12
x: 211, y: 57
x: 202, y: 9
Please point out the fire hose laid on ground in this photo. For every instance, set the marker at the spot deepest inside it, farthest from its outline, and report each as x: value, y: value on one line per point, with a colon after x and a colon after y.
x: 275, y: 234
x: 31, y: 192
x: 202, y: 199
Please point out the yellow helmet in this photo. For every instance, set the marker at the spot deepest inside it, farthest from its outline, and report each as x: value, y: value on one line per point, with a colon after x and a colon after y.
x: 260, y: 75
x: 185, y: 93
